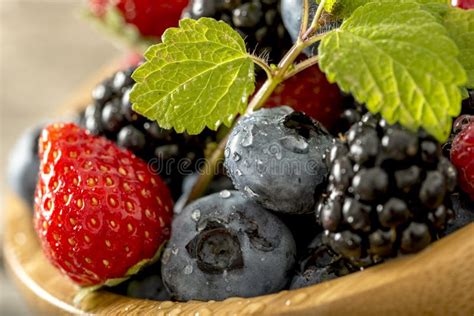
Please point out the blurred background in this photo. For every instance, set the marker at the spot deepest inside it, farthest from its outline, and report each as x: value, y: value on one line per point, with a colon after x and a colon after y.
x: 46, y: 51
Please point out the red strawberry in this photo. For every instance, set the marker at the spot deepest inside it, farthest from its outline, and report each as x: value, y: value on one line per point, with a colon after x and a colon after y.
x: 465, y: 4
x: 311, y: 93
x: 462, y: 155
x: 151, y: 17
x: 98, y: 209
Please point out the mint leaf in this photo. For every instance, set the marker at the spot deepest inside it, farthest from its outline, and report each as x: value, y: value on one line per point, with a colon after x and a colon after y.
x: 345, y: 8
x: 398, y: 60
x: 460, y: 26
x: 200, y: 75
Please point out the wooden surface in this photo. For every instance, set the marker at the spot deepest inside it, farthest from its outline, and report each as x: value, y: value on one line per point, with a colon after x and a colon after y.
x: 437, y: 281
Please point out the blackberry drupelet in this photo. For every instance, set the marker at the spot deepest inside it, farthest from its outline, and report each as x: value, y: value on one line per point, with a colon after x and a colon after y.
x: 170, y: 154
x: 388, y: 192
x: 259, y: 22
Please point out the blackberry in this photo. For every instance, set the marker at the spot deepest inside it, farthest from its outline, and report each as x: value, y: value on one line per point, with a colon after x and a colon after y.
x: 319, y: 264
x: 170, y: 154
x: 388, y: 192
x: 259, y: 22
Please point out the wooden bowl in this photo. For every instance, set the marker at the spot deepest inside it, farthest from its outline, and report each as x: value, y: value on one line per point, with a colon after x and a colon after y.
x: 437, y: 281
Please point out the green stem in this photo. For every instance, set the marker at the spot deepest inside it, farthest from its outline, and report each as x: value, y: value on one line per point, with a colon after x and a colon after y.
x: 305, y: 64
x: 263, y: 64
x: 205, y: 178
x: 313, y: 28
x: 304, y: 21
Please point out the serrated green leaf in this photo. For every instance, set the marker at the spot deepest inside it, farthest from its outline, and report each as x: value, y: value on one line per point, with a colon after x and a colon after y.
x: 399, y: 61
x: 460, y: 26
x: 201, y: 75
x: 345, y: 8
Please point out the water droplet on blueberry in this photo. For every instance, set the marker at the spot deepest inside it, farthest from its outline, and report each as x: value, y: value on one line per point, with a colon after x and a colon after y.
x: 196, y: 215
x: 188, y: 269
x: 225, y: 194
x: 296, y: 144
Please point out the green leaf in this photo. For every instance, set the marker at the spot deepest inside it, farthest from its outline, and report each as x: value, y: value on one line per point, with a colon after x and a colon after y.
x: 201, y: 75
x: 398, y: 60
x: 460, y: 26
x: 345, y: 8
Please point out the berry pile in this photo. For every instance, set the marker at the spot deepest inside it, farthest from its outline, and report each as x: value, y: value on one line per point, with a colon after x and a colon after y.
x: 388, y: 192
x: 291, y: 205
x: 169, y: 154
x: 258, y: 22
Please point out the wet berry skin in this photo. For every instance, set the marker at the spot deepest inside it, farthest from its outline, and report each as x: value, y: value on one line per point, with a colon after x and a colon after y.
x: 23, y: 165
x: 462, y: 156
x: 319, y: 264
x: 388, y: 192
x: 99, y: 211
x: 224, y: 245
x: 275, y: 157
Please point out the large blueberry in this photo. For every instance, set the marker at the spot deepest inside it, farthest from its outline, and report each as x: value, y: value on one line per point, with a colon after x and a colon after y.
x: 275, y: 156
x: 225, y: 245
x: 23, y: 166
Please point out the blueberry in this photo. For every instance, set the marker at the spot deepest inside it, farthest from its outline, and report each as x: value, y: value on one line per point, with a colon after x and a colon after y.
x: 224, y: 245
x: 23, y: 166
x: 219, y: 183
x: 319, y: 265
x: 275, y: 156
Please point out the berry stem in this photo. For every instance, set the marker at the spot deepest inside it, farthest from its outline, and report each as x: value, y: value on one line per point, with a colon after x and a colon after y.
x: 305, y: 64
x: 283, y: 71
x: 305, y: 19
x: 313, y: 28
x: 263, y: 64
x: 206, y: 176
